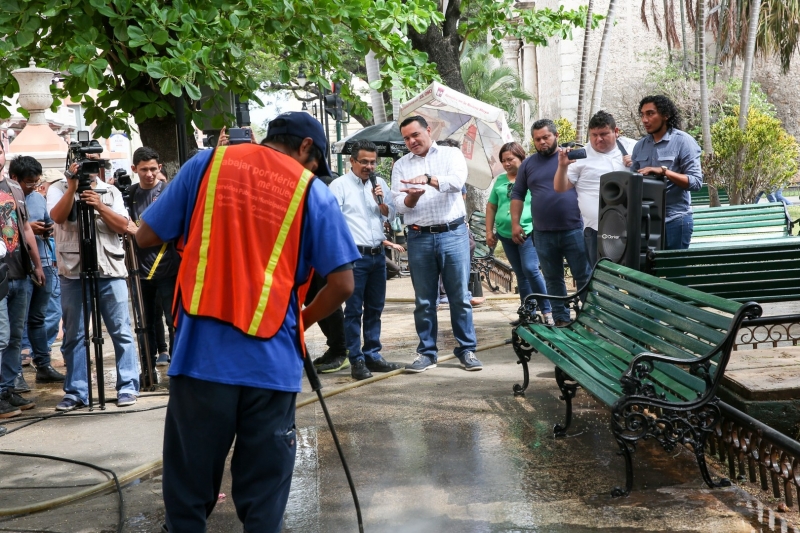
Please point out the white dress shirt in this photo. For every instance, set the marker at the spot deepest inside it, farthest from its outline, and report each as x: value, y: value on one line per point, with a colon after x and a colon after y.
x: 435, y: 206
x: 360, y: 210
x: 585, y: 174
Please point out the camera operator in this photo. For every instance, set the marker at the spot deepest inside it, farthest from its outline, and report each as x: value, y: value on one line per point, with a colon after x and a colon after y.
x: 158, y: 265
x: 20, y: 244
x: 111, y: 221
x: 29, y: 176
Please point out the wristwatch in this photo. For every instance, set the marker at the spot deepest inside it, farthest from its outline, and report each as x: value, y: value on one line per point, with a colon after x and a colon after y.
x: 664, y: 171
x: 429, y: 178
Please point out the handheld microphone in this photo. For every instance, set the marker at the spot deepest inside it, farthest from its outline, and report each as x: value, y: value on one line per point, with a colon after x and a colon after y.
x: 373, y: 179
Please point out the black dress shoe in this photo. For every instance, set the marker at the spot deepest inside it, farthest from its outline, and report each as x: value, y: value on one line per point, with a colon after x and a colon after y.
x: 15, y: 400
x: 382, y: 365
x: 20, y: 385
x: 48, y: 374
x: 359, y: 371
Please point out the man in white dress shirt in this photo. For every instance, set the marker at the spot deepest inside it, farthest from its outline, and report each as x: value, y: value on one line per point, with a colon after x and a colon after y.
x: 603, y: 155
x: 365, y: 209
x: 427, y: 189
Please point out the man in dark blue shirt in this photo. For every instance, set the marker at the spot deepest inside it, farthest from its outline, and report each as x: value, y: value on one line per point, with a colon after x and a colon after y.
x: 557, y: 223
x: 673, y: 155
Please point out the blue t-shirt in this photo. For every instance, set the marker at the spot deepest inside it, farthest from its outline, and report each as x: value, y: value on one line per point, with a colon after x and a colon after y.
x: 211, y: 350
x: 37, y: 210
x: 551, y: 210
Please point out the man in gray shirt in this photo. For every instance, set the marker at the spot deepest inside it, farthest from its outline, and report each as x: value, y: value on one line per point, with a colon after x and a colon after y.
x: 674, y: 155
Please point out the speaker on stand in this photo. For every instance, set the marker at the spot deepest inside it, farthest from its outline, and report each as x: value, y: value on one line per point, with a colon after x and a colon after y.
x: 631, y: 218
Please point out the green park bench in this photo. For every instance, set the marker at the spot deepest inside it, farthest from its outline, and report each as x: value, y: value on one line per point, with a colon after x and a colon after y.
x: 701, y: 199
x: 766, y: 271
x: 653, y: 351
x: 496, y: 272
x: 737, y: 223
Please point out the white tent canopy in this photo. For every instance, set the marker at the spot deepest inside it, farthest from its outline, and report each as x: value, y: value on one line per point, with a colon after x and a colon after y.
x: 479, y: 127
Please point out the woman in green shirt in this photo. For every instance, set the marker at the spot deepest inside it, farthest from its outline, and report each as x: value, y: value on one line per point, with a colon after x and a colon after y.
x: 523, y: 257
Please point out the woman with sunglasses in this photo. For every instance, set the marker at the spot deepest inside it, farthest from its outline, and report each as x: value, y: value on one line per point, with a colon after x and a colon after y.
x: 523, y: 258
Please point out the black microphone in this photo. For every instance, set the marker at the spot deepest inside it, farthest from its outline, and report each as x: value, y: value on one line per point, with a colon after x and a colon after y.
x: 374, y: 180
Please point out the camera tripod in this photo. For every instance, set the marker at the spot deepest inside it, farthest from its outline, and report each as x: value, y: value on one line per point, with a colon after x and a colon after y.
x: 140, y: 322
x: 91, y: 305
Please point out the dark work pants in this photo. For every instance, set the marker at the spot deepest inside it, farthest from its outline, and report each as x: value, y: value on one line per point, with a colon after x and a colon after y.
x: 158, y: 294
x: 201, y: 422
x: 332, y: 326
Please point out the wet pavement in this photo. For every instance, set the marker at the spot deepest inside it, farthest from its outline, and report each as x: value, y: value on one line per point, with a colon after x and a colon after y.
x: 441, y: 451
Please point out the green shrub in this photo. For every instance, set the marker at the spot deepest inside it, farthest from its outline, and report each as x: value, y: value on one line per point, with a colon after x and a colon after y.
x: 762, y: 158
x: 566, y: 131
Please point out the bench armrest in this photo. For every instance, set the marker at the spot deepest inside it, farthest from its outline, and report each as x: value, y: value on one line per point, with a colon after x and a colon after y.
x: 527, y: 311
x: 634, y: 383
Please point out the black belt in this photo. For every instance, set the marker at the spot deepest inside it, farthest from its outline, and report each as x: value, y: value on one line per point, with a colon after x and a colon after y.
x: 366, y: 250
x: 441, y: 228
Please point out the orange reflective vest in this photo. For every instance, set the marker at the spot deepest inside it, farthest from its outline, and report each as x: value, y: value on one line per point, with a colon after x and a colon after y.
x: 240, y: 260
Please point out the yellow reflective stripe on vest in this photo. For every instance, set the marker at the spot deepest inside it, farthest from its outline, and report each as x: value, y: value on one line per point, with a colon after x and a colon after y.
x: 277, y: 249
x: 208, y: 211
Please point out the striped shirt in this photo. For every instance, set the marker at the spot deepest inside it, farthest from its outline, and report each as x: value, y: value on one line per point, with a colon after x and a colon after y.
x: 436, y: 206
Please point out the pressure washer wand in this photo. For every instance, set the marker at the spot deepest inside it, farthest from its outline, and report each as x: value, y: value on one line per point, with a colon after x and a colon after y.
x: 316, y: 386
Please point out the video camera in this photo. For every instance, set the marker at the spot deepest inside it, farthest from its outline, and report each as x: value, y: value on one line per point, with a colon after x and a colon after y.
x: 78, y: 153
x: 577, y: 151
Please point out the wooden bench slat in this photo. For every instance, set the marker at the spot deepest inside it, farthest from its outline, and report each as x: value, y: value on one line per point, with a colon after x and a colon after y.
x: 684, y: 306
x: 677, y: 384
x: 604, y: 394
x: 710, y: 335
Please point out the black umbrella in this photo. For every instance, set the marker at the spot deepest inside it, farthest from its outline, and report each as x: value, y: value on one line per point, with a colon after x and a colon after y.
x: 386, y: 137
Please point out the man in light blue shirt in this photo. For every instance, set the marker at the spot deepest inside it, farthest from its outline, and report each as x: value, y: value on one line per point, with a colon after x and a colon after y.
x: 365, y: 209
x: 673, y: 155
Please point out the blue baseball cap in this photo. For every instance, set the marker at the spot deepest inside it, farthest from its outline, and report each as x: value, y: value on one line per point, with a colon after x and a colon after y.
x: 301, y: 124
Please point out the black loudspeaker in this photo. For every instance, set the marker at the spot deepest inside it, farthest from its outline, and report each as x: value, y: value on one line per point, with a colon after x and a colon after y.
x: 631, y: 217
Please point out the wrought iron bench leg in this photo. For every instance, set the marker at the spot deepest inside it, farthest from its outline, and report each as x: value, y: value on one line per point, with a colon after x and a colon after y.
x: 626, y: 450
x: 700, y: 455
x: 568, y: 391
x: 524, y: 355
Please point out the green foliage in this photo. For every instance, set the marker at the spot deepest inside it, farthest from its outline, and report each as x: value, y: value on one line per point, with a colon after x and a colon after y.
x: 141, y: 54
x: 762, y: 158
x: 683, y: 88
x: 566, y: 131
x: 494, y: 84
x: 501, y: 18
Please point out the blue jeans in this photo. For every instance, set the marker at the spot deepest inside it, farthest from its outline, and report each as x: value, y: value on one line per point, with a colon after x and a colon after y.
x: 16, y: 307
x: 113, y: 298
x: 553, y: 248
x: 369, y: 295
x: 37, y: 317
x: 431, y: 254
x: 52, y: 320
x: 678, y: 232
x: 525, y: 262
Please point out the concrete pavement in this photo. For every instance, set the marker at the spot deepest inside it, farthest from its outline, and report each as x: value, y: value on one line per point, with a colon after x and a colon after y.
x: 442, y: 451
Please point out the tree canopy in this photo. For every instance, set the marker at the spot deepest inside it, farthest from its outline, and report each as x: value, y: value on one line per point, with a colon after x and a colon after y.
x: 140, y: 55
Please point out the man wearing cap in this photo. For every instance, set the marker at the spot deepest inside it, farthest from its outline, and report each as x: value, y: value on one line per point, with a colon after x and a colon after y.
x: 253, y: 222
x: 365, y: 208
x: 426, y: 184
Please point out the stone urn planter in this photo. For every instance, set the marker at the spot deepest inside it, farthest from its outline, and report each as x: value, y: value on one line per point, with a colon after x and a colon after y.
x: 34, y: 91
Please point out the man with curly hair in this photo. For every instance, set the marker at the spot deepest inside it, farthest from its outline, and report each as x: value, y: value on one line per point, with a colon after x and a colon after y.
x: 673, y: 155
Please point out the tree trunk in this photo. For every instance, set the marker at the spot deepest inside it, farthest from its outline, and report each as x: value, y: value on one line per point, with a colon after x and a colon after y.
x: 443, y: 46
x: 683, y: 35
x: 747, y: 72
x: 602, y: 58
x: 720, y: 41
x: 374, y: 74
x: 666, y: 30
x: 705, y: 119
x: 580, y: 120
x: 161, y: 134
